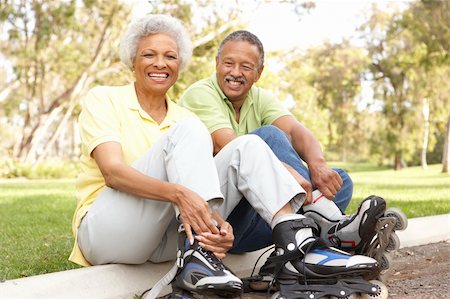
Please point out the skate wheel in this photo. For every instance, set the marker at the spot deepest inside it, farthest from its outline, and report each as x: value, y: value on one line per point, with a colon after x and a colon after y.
x: 259, y: 285
x: 381, y: 291
x: 386, y: 261
x: 400, y: 217
x: 351, y: 296
x: 394, y: 243
x: 277, y: 295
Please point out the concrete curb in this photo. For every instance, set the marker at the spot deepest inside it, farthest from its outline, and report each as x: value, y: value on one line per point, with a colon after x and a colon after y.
x: 124, y: 281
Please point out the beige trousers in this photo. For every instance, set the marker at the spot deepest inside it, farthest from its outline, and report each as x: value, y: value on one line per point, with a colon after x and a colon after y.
x: 122, y: 228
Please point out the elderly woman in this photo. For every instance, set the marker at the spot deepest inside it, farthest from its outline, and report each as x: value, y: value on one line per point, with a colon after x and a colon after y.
x: 150, y: 184
x: 145, y: 160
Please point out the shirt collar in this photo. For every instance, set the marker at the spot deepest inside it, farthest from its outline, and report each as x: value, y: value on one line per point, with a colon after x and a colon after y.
x: 133, y: 104
x: 217, y: 87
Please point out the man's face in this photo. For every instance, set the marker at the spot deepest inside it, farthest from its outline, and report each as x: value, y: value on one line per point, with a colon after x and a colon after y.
x: 237, y: 69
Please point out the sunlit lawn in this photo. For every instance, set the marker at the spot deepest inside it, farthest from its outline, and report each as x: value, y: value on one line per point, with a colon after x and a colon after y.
x: 35, y: 231
x: 35, y: 216
x: 417, y: 192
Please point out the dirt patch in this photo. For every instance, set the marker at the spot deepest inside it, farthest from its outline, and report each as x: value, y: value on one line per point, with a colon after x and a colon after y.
x: 421, y: 272
x: 417, y: 272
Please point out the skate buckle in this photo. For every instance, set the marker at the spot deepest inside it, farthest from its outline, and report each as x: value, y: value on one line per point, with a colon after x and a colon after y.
x: 180, y: 261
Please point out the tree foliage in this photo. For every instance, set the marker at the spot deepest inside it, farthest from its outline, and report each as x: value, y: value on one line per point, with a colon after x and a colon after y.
x: 57, y: 49
x: 409, y: 53
x: 52, y: 52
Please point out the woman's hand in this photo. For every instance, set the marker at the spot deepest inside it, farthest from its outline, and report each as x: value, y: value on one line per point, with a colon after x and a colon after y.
x: 219, y: 243
x: 194, y: 213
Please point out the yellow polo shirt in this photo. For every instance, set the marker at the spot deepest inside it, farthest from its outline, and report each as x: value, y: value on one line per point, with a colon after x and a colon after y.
x: 113, y: 113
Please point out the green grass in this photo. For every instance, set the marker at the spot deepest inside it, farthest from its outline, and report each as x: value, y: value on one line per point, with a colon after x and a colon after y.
x: 35, y: 216
x: 417, y: 192
x: 35, y: 227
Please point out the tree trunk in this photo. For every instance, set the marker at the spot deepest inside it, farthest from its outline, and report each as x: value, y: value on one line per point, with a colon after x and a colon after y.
x: 35, y: 134
x: 446, y: 153
x: 398, y: 160
x: 426, y: 132
x: 57, y: 133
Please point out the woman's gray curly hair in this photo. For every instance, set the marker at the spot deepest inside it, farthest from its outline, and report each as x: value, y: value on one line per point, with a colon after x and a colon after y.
x: 152, y: 24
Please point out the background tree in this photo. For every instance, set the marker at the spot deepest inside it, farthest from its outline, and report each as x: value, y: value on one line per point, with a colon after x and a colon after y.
x: 53, y: 52
x: 404, y: 63
x: 57, y: 49
x: 429, y: 23
x: 336, y: 77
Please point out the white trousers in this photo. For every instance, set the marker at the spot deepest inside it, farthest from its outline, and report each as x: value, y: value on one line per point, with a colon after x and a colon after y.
x: 123, y: 228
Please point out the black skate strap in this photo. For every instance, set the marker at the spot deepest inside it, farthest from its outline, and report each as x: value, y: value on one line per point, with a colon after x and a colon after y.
x: 297, y: 254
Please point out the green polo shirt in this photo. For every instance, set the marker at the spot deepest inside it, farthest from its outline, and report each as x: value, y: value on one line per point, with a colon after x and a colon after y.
x: 206, y: 99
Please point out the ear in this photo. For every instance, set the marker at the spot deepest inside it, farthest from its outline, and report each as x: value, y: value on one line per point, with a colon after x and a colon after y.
x: 259, y: 72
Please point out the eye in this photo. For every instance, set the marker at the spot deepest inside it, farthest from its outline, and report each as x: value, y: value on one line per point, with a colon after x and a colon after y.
x: 148, y: 55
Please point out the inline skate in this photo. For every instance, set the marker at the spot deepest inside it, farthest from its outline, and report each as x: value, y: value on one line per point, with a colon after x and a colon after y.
x: 201, y: 274
x: 370, y: 231
x: 303, y: 266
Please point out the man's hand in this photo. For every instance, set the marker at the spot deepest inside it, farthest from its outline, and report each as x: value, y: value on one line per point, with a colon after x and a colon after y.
x: 219, y: 243
x: 328, y: 181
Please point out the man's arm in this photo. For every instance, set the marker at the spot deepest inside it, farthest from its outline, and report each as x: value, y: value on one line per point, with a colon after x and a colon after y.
x: 308, y: 147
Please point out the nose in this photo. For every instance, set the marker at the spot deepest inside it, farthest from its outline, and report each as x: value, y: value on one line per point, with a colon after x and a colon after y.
x: 159, y: 62
x: 235, y: 70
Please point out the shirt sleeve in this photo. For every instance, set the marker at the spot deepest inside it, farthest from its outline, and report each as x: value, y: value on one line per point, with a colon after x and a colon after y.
x: 208, y: 106
x: 270, y: 108
x: 98, y: 120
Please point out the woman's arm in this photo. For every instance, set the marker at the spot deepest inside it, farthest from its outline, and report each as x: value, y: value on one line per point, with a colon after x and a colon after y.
x: 118, y: 175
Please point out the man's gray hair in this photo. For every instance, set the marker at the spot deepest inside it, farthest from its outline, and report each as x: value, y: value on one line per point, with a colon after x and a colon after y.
x: 246, y: 36
x: 152, y: 24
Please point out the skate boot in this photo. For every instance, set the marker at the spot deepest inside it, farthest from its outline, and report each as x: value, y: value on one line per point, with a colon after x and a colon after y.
x: 352, y: 233
x: 370, y: 231
x: 201, y: 273
x: 305, y: 267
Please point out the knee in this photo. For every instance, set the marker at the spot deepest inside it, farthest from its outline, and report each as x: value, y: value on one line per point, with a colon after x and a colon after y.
x: 346, y: 180
x: 272, y: 135
x: 269, y: 131
x: 251, y: 144
x: 191, y: 124
x: 191, y: 128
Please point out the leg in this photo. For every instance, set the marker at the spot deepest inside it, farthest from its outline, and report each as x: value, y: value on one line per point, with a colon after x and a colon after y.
x: 122, y: 228
x: 250, y: 235
x: 248, y: 168
x: 282, y: 148
x: 254, y: 233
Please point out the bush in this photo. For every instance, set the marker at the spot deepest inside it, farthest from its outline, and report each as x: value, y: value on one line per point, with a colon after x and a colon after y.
x: 54, y: 169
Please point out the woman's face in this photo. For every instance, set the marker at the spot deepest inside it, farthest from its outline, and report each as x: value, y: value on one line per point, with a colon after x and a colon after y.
x: 157, y: 63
